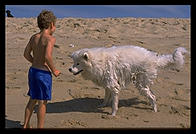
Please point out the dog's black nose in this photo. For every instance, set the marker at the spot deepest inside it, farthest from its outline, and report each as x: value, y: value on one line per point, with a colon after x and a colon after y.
x: 70, y: 69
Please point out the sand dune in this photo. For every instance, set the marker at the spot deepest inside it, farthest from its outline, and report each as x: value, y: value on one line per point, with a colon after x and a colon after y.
x: 74, y: 100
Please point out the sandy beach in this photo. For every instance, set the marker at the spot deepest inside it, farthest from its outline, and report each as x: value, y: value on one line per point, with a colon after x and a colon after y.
x: 75, y: 100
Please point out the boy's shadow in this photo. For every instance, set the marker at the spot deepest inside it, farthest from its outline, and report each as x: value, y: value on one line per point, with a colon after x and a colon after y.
x: 85, y: 105
x: 12, y: 124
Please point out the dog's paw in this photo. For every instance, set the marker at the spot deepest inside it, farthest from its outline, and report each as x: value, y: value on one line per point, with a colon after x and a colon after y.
x: 114, y: 113
x: 108, y: 116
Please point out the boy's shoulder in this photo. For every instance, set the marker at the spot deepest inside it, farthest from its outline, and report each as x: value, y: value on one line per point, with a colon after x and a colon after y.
x: 51, y: 38
x: 34, y: 36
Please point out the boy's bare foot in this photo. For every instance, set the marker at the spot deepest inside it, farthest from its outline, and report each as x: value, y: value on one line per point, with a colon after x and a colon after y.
x: 27, y: 126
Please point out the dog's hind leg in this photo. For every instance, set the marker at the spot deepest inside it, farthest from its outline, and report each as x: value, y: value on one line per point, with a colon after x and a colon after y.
x: 142, y: 85
x: 149, y: 95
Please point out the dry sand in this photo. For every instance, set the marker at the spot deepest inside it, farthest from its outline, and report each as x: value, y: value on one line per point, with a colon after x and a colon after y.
x: 74, y: 100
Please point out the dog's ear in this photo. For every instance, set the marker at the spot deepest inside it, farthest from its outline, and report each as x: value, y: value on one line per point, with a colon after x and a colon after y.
x: 86, y: 56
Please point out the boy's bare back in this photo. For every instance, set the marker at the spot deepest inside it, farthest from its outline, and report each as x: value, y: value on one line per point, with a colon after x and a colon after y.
x: 40, y: 44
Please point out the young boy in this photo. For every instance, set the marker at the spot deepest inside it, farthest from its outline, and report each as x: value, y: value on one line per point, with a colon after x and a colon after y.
x: 39, y: 75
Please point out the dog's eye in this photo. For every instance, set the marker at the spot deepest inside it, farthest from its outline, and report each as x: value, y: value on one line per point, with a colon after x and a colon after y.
x: 78, y: 64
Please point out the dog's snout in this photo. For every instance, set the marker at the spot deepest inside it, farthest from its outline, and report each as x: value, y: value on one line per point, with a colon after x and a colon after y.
x: 70, y: 70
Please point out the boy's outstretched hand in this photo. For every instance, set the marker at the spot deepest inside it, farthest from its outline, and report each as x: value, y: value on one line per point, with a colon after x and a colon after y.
x: 56, y: 73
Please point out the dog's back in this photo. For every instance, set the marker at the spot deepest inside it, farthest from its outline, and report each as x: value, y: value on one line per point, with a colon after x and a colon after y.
x: 126, y: 54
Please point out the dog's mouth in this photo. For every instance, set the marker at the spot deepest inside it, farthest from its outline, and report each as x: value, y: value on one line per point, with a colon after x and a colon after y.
x: 78, y: 72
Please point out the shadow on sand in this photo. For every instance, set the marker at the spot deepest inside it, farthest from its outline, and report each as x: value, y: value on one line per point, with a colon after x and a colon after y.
x: 86, y: 105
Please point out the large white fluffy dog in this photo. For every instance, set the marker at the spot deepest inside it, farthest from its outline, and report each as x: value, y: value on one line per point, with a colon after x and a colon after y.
x: 115, y: 67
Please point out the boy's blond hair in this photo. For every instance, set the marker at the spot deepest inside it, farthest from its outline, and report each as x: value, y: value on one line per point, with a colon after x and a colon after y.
x: 45, y: 18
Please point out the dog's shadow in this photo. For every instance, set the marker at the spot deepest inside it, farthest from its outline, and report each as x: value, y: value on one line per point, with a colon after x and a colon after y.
x: 85, y: 105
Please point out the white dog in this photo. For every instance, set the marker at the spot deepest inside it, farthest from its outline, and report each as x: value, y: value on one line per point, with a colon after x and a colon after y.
x: 115, y: 67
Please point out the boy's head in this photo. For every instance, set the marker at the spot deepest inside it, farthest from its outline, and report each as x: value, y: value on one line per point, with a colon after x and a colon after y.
x: 45, y: 19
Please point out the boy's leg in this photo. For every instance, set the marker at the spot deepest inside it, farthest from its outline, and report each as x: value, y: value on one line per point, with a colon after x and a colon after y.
x: 41, y: 113
x: 28, y: 112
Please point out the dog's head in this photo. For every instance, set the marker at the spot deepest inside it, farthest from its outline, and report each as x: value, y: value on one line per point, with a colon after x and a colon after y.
x: 81, y: 60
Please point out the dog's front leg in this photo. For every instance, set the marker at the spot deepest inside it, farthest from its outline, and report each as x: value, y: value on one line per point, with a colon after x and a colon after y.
x: 107, y: 98
x: 114, y: 103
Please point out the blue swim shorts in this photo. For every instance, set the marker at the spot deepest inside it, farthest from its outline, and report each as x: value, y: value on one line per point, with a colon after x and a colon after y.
x: 40, y: 84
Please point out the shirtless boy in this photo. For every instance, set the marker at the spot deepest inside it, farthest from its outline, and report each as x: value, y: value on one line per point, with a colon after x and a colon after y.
x: 39, y: 76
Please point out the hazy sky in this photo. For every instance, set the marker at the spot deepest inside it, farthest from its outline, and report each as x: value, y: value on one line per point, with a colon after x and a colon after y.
x: 103, y: 11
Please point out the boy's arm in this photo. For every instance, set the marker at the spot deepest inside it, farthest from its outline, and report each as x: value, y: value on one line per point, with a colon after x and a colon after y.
x: 27, y: 51
x: 48, y: 55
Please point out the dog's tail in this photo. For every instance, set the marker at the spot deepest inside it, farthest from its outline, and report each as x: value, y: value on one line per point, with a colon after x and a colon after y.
x: 173, y: 61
